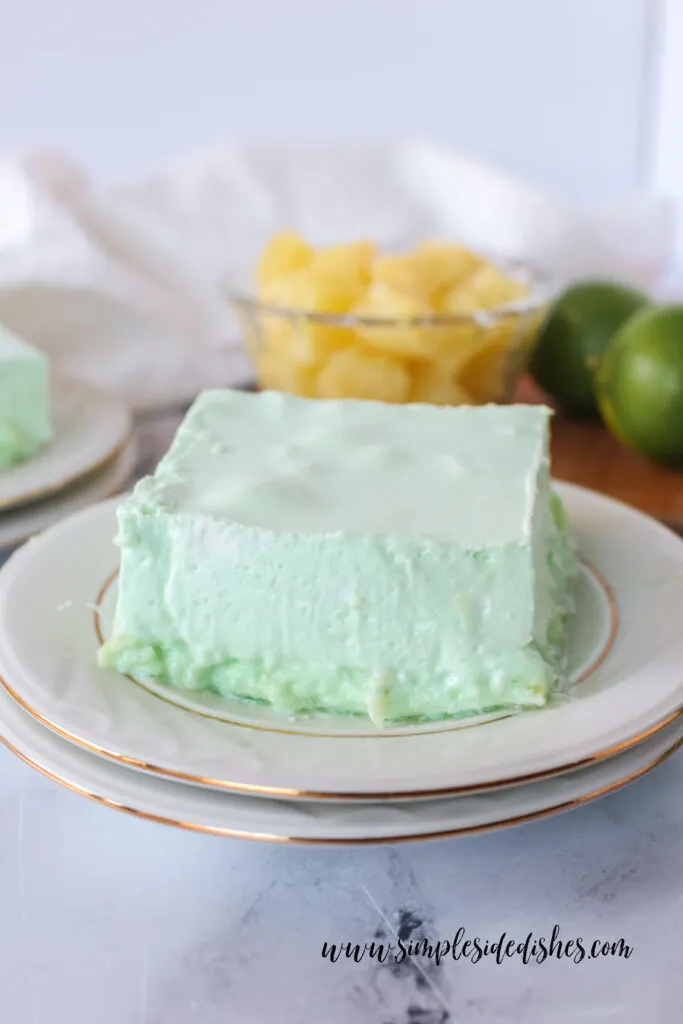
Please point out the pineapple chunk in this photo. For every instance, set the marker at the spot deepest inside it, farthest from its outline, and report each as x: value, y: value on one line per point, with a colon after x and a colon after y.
x: 284, y: 292
x: 487, y: 288
x: 276, y: 332
x: 303, y: 342
x: 459, y: 343
x: 428, y: 272
x: 355, y: 373
x: 278, y: 374
x: 381, y: 300
x: 486, y: 375
x: 446, y: 266
x: 403, y: 275
x: 347, y: 260
x: 285, y: 253
x: 433, y: 384
x: 316, y: 289
x: 323, y: 340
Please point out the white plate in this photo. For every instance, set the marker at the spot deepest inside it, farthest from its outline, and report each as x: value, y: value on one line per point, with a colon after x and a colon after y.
x: 89, y: 427
x: 245, y: 817
x: 48, y: 647
x: 18, y: 524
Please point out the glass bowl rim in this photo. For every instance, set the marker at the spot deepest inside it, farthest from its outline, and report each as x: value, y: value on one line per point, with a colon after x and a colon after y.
x: 243, y: 297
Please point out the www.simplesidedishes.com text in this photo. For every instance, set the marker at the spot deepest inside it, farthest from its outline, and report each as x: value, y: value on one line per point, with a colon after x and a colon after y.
x: 532, y: 949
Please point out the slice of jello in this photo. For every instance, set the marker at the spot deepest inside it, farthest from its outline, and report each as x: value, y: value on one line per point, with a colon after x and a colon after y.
x: 24, y: 400
x: 349, y: 557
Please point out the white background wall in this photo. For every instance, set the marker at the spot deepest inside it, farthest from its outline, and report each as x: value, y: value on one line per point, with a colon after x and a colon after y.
x: 559, y: 90
x: 666, y: 168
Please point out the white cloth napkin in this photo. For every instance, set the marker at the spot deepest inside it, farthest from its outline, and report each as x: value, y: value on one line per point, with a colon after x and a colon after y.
x: 121, y: 286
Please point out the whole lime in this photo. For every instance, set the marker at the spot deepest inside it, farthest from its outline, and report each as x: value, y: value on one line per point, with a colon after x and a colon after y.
x: 573, y: 338
x: 640, y: 384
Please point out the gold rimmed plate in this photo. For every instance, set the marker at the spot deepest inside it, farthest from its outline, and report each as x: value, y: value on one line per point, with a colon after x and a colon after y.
x: 323, y: 823
x: 90, y: 427
x: 48, y: 649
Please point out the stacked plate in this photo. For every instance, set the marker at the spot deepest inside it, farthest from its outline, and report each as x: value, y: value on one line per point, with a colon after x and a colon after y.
x: 90, y: 457
x: 213, y: 765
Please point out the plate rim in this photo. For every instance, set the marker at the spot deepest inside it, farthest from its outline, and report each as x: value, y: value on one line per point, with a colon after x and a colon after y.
x: 32, y: 497
x: 325, y: 796
x: 342, y: 841
x: 123, y: 458
x: 259, y: 789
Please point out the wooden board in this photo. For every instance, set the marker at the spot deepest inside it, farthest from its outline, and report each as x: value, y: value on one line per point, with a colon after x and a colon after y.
x: 585, y: 453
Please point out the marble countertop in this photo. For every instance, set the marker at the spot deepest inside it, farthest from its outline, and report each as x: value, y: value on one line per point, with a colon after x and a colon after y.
x: 109, y: 919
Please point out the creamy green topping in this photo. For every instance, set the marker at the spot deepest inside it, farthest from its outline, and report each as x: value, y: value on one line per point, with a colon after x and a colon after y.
x: 291, y: 465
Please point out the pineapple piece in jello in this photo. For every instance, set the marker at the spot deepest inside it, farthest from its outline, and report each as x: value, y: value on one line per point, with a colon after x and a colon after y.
x: 356, y: 373
x: 285, y: 254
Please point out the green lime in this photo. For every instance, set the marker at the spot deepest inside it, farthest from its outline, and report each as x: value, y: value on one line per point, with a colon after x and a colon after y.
x: 640, y: 384
x: 573, y: 337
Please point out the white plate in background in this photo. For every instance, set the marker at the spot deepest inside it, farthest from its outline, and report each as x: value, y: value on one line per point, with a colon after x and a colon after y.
x: 17, y: 525
x: 89, y: 428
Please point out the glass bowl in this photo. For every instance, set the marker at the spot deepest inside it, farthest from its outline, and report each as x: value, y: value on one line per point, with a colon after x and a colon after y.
x: 469, y: 358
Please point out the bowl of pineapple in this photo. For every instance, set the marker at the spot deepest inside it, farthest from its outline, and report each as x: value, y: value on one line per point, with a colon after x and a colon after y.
x: 440, y: 325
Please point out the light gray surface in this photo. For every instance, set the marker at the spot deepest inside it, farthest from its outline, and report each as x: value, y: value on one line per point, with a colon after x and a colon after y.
x: 110, y: 919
